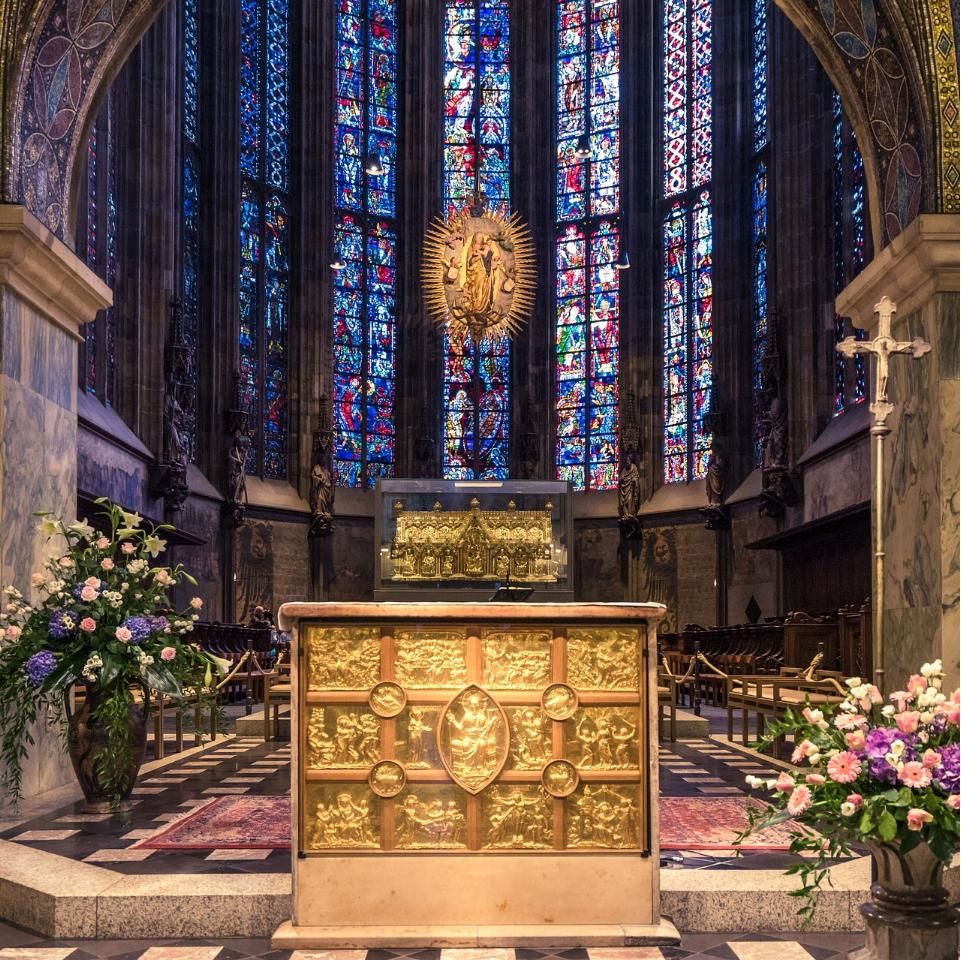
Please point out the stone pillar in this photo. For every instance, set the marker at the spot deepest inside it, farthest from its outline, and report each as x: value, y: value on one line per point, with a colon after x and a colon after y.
x: 46, y: 293
x: 918, y: 270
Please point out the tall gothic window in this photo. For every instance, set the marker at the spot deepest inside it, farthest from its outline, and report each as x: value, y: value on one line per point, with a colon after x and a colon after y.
x: 190, y: 226
x: 760, y: 209
x: 264, y: 231
x: 850, y: 249
x: 587, y: 241
x: 365, y: 308
x: 687, y: 225
x: 477, y: 91
x: 97, y: 232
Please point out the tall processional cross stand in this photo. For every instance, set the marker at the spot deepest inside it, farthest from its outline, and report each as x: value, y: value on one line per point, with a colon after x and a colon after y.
x: 883, y: 347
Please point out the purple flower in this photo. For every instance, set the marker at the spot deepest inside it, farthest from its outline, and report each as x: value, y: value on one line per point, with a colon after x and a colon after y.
x: 877, y: 746
x: 62, y: 624
x: 946, y: 774
x: 882, y: 771
x: 40, y: 666
x: 140, y: 627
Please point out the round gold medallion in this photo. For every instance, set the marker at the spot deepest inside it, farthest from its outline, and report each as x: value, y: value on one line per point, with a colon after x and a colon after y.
x: 559, y: 701
x: 387, y: 778
x: 560, y: 778
x: 387, y: 699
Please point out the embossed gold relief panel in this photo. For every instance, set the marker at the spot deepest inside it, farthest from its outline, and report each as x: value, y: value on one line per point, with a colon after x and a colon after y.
x: 603, y: 658
x: 603, y: 738
x: 342, y: 658
x: 472, y: 737
x: 431, y: 659
x: 342, y: 738
x: 430, y: 817
x: 342, y: 816
x: 517, y: 818
x: 516, y: 661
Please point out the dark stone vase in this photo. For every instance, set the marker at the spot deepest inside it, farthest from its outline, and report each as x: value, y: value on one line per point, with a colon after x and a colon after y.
x: 86, y: 739
x: 908, y: 915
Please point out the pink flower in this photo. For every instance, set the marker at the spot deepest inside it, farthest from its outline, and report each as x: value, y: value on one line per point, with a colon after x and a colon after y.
x: 815, y: 779
x: 915, y: 775
x: 799, y: 801
x: 844, y: 767
x: 954, y: 801
x: 88, y: 594
x: 784, y: 783
x: 874, y: 695
x: 13, y: 632
x: 107, y: 564
x: 103, y: 543
x: 92, y: 582
x: 916, y: 683
x: 850, y: 721
x: 804, y: 749
x: 123, y: 634
x: 88, y: 624
x: 918, y: 818
x: 908, y: 721
x: 855, y: 798
x: 168, y: 653
x: 38, y: 579
x: 950, y: 709
x: 855, y: 740
x: 931, y: 759
x: 65, y: 562
x: 901, y: 699
x: 129, y: 548
x: 196, y: 603
x: 162, y: 576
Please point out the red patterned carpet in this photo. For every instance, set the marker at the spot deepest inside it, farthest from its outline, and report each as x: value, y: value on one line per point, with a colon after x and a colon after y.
x: 687, y: 823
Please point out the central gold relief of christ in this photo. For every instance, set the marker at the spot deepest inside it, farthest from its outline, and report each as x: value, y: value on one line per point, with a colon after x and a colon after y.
x: 473, y: 738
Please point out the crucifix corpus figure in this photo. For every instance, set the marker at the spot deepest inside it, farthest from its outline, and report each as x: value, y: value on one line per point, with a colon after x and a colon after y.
x: 882, y: 347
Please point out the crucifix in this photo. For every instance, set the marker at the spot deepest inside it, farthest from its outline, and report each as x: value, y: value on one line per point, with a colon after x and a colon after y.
x: 882, y: 347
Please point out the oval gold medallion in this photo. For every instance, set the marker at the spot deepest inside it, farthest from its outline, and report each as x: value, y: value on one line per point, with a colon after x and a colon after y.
x: 559, y: 701
x: 473, y: 737
x: 387, y: 778
x: 560, y: 778
x: 387, y: 699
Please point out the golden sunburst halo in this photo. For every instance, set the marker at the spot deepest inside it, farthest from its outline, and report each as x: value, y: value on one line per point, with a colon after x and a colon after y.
x: 478, y: 273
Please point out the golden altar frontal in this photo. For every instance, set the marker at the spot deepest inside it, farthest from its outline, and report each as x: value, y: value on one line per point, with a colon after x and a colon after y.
x: 472, y: 774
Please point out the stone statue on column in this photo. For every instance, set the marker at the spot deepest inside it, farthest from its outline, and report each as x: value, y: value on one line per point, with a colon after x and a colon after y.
x: 629, y: 474
x: 238, y: 428
x: 321, y: 496
x: 170, y: 474
x: 715, y: 514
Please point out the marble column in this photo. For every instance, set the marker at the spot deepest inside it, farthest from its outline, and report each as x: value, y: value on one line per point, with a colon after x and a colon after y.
x: 918, y: 270
x: 46, y: 293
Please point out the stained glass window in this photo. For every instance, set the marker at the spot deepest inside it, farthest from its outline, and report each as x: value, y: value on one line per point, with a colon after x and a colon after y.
x: 97, y: 233
x: 587, y: 241
x: 264, y: 231
x: 687, y: 238
x: 760, y: 212
x: 477, y: 93
x: 365, y: 239
x: 190, y: 229
x: 850, y: 248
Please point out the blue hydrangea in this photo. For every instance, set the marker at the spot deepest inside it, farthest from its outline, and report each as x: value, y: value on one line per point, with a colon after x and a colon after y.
x: 40, y: 666
x: 140, y: 627
x: 62, y: 624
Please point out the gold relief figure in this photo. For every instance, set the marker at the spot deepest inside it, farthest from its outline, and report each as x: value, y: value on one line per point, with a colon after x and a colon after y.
x: 387, y: 778
x: 387, y: 699
x: 430, y: 820
x: 342, y: 738
x: 517, y: 818
x: 516, y: 661
x: 531, y: 743
x: 342, y: 658
x: 416, y: 744
x: 474, y: 738
x: 430, y: 658
x: 559, y: 701
x: 342, y: 819
x: 603, y: 738
x: 560, y: 778
x: 603, y: 658
x: 604, y: 817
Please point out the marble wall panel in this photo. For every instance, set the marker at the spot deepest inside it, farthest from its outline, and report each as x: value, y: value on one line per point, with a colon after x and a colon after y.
x: 840, y: 480
x: 349, y: 563
x: 107, y: 470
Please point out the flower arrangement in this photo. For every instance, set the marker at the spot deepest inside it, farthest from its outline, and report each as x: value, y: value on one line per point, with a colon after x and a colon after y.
x: 873, y: 772
x: 103, y: 618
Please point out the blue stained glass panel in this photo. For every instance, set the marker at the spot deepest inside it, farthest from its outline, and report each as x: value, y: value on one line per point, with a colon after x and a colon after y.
x: 251, y: 94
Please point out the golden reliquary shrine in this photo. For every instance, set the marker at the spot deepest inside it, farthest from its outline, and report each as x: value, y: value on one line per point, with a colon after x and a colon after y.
x: 473, y: 766
x: 473, y: 544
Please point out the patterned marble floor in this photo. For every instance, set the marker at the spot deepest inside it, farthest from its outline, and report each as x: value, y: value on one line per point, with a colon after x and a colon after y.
x: 17, y: 945
x: 248, y: 766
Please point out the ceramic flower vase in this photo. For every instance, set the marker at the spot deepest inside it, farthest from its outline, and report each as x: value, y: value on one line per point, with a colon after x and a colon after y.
x: 86, y: 738
x: 908, y: 914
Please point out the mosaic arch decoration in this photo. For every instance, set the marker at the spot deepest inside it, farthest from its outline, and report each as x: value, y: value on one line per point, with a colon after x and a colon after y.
x: 587, y: 242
